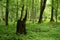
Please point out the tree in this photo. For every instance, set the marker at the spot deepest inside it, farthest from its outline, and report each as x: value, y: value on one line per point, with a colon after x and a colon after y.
x: 7, y: 11
x: 42, y: 7
x: 52, y: 11
x: 21, y: 25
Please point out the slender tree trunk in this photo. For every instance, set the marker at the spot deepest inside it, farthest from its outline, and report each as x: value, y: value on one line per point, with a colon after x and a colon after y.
x: 22, y: 11
x: 52, y: 12
x: 7, y: 11
x: 43, y: 4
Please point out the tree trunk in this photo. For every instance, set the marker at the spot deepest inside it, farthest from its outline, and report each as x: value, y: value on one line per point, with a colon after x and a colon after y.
x: 43, y: 4
x: 7, y: 11
x: 21, y: 23
x: 52, y: 11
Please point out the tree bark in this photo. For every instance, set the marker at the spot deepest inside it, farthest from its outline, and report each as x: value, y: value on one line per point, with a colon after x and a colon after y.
x: 52, y: 11
x: 21, y: 23
x: 43, y: 4
x: 7, y: 11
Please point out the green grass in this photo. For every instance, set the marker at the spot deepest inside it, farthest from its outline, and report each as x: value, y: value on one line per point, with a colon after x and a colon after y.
x: 44, y: 31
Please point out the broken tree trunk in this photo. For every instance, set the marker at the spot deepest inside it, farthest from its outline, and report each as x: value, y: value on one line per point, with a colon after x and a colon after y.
x: 21, y: 25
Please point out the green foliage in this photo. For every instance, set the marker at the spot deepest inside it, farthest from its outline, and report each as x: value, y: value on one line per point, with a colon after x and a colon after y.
x: 44, y: 31
x: 28, y: 5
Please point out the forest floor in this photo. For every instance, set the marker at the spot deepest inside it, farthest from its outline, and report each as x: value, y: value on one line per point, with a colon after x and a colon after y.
x: 44, y: 31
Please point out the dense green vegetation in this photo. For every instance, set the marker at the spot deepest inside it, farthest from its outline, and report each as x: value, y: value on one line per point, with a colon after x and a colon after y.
x: 44, y: 31
x: 29, y: 19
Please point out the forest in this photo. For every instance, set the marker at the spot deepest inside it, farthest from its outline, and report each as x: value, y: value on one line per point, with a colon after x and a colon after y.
x: 29, y: 19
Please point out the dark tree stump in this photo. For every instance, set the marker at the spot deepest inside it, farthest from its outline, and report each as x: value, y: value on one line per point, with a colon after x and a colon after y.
x: 21, y: 27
